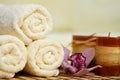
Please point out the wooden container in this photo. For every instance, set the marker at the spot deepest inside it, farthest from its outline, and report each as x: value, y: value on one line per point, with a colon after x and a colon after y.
x: 119, y: 41
x: 108, y: 56
x: 80, y: 42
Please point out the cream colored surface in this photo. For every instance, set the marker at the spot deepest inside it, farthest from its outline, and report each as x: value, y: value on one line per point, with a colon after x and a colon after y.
x: 44, y: 57
x: 27, y: 22
x: 13, y: 56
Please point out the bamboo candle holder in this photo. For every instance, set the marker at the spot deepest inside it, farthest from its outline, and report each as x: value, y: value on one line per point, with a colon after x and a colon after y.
x: 108, y: 56
x: 80, y: 42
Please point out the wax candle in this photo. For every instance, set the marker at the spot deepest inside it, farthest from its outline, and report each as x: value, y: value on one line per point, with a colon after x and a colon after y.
x: 80, y: 42
x: 119, y: 41
x: 107, y: 55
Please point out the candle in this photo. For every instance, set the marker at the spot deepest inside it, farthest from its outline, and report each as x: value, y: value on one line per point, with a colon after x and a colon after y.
x: 119, y: 41
x: 107, y: 55
x: 80, y: 42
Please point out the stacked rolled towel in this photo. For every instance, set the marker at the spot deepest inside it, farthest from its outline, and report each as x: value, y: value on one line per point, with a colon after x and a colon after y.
x: 13, y: 56
x: 28, y: 22
x: 44, y: 57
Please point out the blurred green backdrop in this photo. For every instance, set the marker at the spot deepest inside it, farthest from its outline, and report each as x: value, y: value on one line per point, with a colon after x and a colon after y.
x: 80, y: 15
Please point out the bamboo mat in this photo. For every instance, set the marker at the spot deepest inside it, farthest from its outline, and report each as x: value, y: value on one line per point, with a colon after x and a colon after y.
x: 63, y: 76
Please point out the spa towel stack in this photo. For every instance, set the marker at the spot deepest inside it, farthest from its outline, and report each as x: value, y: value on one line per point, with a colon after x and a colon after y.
x: 30, y: 24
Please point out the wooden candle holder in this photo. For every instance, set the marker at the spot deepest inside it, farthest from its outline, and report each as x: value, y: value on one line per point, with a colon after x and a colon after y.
x: 80, y: 42
x: 108, y: 56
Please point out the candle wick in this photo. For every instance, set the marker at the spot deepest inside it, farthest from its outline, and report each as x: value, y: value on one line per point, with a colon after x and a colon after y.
x: 109, y: 34
x: 93, y: 34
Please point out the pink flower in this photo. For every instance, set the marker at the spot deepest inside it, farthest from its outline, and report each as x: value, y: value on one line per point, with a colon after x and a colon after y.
x: 79, y: 62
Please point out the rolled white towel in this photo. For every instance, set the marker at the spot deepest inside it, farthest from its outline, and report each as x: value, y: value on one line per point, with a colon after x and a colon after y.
x: 26, y: 21
x: 44, y: 57
x: 13, y: 56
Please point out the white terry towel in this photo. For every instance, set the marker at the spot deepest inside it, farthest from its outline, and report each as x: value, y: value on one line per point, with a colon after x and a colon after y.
x: 44, y: 58
x: 26, y: 21
x: 13, y: 56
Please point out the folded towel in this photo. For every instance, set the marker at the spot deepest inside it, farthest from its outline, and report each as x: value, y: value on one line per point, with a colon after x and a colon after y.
x: 26, y: 21
x: 13, y: 56
x: 44, y: 57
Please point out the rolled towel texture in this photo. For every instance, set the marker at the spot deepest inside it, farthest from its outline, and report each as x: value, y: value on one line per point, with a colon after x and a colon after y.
x: 44, y: 57
x: 28, y: 22
x: 13, y: 56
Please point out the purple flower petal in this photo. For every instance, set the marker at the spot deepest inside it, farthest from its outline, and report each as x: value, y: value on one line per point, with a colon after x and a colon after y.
x: 89, y: 53
x: 66, y: 53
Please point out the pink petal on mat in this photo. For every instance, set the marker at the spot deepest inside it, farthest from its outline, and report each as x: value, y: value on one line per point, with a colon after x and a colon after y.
x: 89, y: 53
x: 85, y: 71
x: 94, y: 67
x: 82, y: 72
